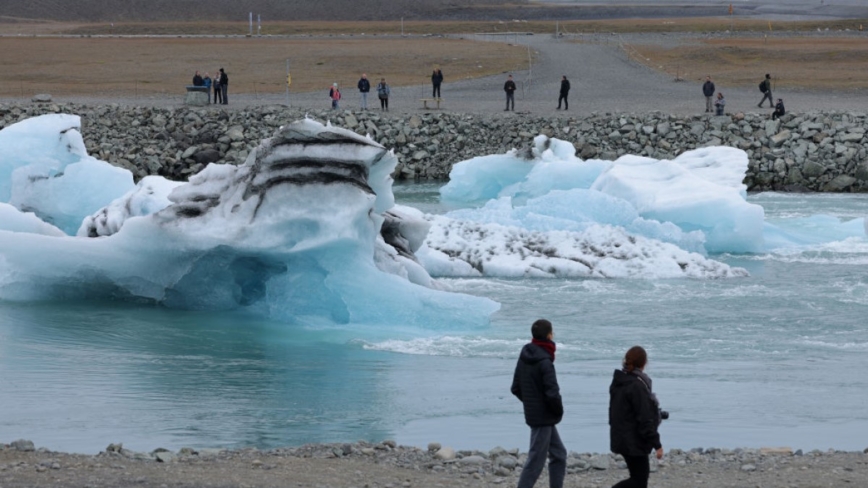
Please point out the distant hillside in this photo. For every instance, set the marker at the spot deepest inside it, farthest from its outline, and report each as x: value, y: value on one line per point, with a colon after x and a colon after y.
x: 284, y: 10
x: 237, y: 10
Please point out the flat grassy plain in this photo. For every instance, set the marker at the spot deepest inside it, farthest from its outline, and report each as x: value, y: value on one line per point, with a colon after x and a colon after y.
x: 134, y: 66
x: 824, y: 63
x: 151, y: 59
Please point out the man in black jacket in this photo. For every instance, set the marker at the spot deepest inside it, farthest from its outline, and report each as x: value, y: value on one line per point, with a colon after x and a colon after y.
x: 536, y: 385
x: 509, y: 87
x: 565, y: 92
x: 364, y: 87
x: 708, y: 91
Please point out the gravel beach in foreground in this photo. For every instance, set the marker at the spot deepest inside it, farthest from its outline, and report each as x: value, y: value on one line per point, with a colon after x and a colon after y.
x: 387, y: 465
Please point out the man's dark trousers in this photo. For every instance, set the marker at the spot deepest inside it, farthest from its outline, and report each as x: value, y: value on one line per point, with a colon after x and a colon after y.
x: 544, y: 441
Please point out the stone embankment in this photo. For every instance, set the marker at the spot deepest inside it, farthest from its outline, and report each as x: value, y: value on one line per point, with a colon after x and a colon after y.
x: 815, y: 151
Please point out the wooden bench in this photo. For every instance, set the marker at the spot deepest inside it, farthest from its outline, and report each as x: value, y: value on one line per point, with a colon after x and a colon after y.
x: 426, y: 100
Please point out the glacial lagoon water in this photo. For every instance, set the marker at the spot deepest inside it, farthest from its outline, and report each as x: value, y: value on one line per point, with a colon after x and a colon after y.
x: 770, y: 360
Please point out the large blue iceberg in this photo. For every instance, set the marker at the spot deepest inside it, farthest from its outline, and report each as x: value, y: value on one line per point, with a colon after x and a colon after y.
x: 294, y: 233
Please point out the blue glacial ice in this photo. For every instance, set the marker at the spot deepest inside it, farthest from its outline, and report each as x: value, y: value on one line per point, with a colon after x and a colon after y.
x: 307, y: 229
x: 294, y: 234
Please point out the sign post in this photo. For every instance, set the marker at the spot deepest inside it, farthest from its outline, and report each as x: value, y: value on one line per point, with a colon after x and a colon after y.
x: 288, y: 82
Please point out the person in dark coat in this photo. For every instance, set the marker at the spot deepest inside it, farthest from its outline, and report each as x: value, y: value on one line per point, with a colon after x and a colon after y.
x: 767, y: 90
x: 224, y: 86
x: 536, y: 385
x: 509, y: 87
x: 708, y: 91
x: 634, y: 415
x: 364, y: 87
x: 565, y: 92
x: 779, y: 109
x: 197, y: 80
x: 436, y: 80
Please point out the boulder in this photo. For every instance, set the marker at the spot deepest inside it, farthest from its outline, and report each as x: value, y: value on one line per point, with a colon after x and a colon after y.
x: 41, y: 98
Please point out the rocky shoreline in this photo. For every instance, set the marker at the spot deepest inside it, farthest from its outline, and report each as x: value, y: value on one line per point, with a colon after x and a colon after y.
x: 386, y: 464
x: 815, y: 151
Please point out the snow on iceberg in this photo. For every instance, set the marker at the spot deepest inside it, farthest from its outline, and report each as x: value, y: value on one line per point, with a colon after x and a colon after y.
x: 45, y: 169
x: 700, y: 191
x: 293, y: 233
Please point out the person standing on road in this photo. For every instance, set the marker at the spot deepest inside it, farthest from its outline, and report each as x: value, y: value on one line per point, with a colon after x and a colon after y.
x: 565, y: 92
x: 634, y: 415
x: 436, y: 80
x: 218, y: 92
x: 535, y: 383
x: 224, y: 86
x: 708, y: 91
x: 383, y: 92
x: 766, y: 88
x: 364, y: 87
x: 509, y: 88
x: 719, y: 104
x: 197, y: 79
x: 207, y: 82
x: 335, y: 95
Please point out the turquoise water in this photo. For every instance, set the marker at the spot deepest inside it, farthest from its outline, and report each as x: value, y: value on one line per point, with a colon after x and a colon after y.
x: 773, y: 359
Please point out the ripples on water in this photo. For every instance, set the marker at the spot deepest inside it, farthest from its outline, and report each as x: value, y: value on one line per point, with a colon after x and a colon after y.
x: 767, y: 360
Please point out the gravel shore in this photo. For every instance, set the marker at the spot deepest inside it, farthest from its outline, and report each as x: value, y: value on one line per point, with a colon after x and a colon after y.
x: 387, y: 465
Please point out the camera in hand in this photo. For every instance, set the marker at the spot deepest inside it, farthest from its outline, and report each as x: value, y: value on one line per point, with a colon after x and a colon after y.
x: 664, y: 415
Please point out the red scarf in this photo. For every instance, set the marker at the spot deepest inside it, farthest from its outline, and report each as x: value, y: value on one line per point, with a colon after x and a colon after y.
x: 546, y: 344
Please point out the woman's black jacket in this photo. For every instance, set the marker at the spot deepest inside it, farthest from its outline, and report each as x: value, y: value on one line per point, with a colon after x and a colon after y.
x: 633, y: 416
x: 536, y: 385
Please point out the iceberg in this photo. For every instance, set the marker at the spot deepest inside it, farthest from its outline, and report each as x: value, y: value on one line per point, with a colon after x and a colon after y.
x: 45, y: 169
x: 696, y: 201
x: 301, y: 232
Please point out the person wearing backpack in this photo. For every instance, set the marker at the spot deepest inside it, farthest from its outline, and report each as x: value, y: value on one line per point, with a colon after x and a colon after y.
x: 765, y: 86
x: 383, y: 94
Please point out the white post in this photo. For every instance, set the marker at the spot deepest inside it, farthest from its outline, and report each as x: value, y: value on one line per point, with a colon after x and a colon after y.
x: 402, y: 26
x: 287, y: 82
x: 251, y: 23
x: 258, y: 24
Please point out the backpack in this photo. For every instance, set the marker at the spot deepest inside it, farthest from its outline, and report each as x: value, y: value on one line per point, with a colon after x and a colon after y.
x: 762, y: 86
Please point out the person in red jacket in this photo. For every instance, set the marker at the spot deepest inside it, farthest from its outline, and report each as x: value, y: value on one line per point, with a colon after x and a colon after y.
x: 536, y: 385
x: 634, y: 415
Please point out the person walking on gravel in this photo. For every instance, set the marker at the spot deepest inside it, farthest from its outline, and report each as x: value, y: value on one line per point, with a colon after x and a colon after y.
x: 766, y: 88
x: 536, y: 385
x: 565, y: 92
x: 634, y: 415
x: 509, y: 88
x: 364, y: 87
x: 708, y: 91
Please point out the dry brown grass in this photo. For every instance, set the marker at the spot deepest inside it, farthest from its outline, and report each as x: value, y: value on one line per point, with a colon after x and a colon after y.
x: 144, y: 66
x: 794, y: 62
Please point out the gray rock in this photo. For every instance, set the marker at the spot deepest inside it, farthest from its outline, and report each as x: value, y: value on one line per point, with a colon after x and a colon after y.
x: 433, y: 446
x: 207, y: 156
x: 840, y: 182
x: 472, y: 460
x: 600, y: 462
x: 748, y: 467
x: 23, y: 445
x: 445, y: 454
x: 780, y: 138
x: 812, y: 169
x: 41, y: 98
x: 506, y: 462
x: 164, y: 457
